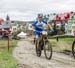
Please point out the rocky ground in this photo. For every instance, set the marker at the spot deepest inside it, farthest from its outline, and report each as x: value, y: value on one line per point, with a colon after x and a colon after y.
x: 25, y: 54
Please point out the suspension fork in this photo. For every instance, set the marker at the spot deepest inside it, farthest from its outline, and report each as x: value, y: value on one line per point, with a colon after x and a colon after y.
x: 39, y: 40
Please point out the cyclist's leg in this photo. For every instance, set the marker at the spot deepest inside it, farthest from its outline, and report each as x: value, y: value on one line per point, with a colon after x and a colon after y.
x: 42, y: 44
x: 38, y: 38
x: 38, y: 46
x: 36, y: 34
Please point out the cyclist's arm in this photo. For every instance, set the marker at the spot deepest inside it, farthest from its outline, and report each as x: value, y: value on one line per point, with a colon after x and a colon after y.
x: 50, y: 26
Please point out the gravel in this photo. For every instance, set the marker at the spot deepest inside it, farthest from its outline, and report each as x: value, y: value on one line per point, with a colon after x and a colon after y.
x: 25, y: 54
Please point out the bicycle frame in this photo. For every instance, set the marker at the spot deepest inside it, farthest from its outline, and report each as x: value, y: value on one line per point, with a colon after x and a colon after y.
x: 43, y: 37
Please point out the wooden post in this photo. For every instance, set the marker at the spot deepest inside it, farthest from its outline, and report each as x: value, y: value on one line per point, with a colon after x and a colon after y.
x: 8, y: 40
x: 57, y: 39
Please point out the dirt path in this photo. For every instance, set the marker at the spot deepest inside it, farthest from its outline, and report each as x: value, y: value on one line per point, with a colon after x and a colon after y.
x: 25, y: 54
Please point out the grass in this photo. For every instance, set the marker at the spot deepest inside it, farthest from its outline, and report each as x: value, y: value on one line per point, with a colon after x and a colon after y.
x: 6, y: 59
x: 66, y: 39
x: 62, y: 45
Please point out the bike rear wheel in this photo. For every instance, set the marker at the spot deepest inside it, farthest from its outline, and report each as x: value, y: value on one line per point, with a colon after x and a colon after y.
x: 73, y: 49
x: 47, y: 50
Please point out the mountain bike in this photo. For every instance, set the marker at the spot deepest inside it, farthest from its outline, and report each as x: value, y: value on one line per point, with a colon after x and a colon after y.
x: 43, y: 44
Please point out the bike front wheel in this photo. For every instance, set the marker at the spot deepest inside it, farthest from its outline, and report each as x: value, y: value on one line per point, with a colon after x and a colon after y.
x: 48, y: 50
x: 73, y: 49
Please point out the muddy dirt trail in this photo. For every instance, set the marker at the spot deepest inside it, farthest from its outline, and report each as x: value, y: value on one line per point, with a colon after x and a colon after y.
x: 25, y: 54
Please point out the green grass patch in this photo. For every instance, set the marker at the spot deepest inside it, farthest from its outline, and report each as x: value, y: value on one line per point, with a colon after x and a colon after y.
x: 66, y: 39
x: 6, y: 58
x: 63, y: 39
x: 62, y: 44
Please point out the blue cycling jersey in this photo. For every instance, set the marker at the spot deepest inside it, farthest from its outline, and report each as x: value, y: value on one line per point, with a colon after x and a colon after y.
x: 39, y: 25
